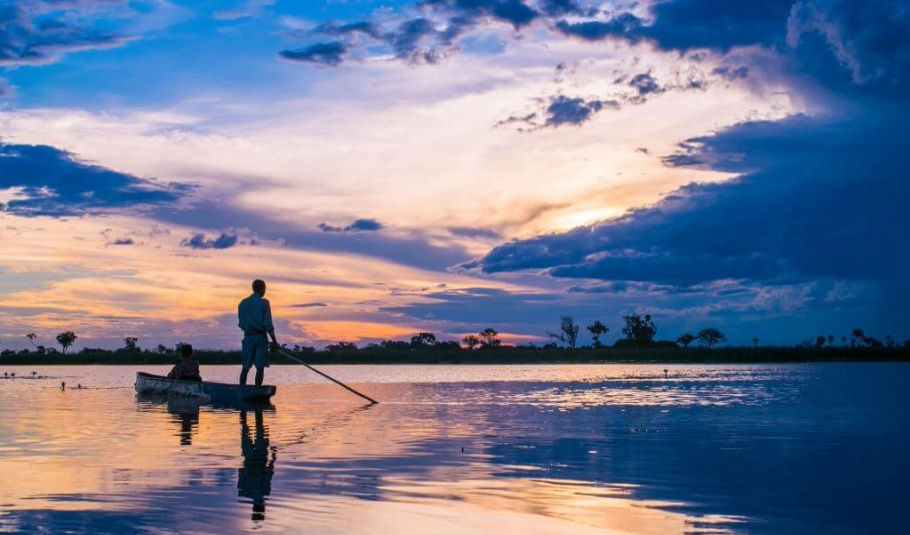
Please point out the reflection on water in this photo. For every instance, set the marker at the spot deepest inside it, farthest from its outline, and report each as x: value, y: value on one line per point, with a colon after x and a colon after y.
x: 254, y: 479
x: 605, y: 449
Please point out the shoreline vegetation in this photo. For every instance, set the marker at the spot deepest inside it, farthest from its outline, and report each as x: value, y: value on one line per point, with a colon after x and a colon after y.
x: 639, y: 345
x: 499, y: 355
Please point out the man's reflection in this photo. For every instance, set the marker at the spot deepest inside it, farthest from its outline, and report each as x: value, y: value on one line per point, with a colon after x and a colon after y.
x: 254, y: 480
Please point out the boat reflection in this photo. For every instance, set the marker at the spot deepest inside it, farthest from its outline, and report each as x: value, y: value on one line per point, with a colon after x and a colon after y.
x: 258, y: 454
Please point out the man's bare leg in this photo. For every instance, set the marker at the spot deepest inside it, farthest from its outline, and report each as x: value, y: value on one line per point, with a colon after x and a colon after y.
x: 260, y: 375
x: 243, y: 374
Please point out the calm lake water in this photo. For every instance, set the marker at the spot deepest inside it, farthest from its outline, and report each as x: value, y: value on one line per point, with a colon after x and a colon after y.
x: 793, y: 449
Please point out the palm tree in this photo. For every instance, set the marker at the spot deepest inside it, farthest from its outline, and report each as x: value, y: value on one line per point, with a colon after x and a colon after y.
x: 66, y: 339
x: 858, y: 337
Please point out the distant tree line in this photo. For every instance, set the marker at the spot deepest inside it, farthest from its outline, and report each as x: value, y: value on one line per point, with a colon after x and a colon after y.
x: 638, y: 332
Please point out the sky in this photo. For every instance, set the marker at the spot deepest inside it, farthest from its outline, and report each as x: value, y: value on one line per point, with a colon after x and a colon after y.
x: 390, y: 167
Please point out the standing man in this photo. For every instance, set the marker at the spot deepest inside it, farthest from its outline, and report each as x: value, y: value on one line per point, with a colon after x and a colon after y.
x: 255, y: 317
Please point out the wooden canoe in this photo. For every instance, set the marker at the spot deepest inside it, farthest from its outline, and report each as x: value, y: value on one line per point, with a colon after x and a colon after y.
x: 150, y: 384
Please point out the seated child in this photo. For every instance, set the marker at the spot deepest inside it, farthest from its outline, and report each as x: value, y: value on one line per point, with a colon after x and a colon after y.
x: 188, y: 367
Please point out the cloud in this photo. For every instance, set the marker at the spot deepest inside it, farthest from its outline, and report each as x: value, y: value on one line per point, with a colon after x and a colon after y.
x: 246, y: 10
x: 122, y: 241
x: 37, y: 33
x: 7, y: 90
x: 645, y: 85
x: 731, y: 74
x: 425, y: 39
x: 200, y: 241
x: 810, y: 195
x: 410, y: 250
x: 330, y: 53
x: 623, y: 25
x: 469, y: 12
x: 359, y: 225
x: 475, y: 233
x: 561, y: 110
x: 816, y: 204
x: 565, y: 110
x: 561, y: 8
x: 309, y: 305
x: 56, y: 183
x: 337, y: 30
x: 867, y: 38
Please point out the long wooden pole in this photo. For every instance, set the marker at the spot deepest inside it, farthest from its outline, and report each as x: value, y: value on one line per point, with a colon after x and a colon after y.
x: 336, y: 381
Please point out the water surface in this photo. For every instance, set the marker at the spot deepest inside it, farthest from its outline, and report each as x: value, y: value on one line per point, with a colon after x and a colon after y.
x: 791, y: 449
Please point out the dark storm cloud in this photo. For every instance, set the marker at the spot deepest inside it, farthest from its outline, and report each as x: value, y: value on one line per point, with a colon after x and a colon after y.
x: 200, y: 241
x: 673, y: 25
x: 330, y: 53
x: 56, y: 183
x: 816, y: 198
x: 35, y: 32
x: 810, y: 195
x: 687, y: 24
x: 359, y: 225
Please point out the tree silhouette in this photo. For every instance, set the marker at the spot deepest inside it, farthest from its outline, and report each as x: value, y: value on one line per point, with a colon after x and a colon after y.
x: 858, y: 337
x: 423, y: 339
x: 342, y: 347
x: 66, y: 339
x: 31, y: 338
x: 130, y: 344
x: 489, y: 338
x: 597, y: 329
x: 820, y: 342
x: 568, y: 332
x: 685, y: 340
x: 470, y: 341
x: 640, y: 330
x: 711, y: 336
x: 755, y: 342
